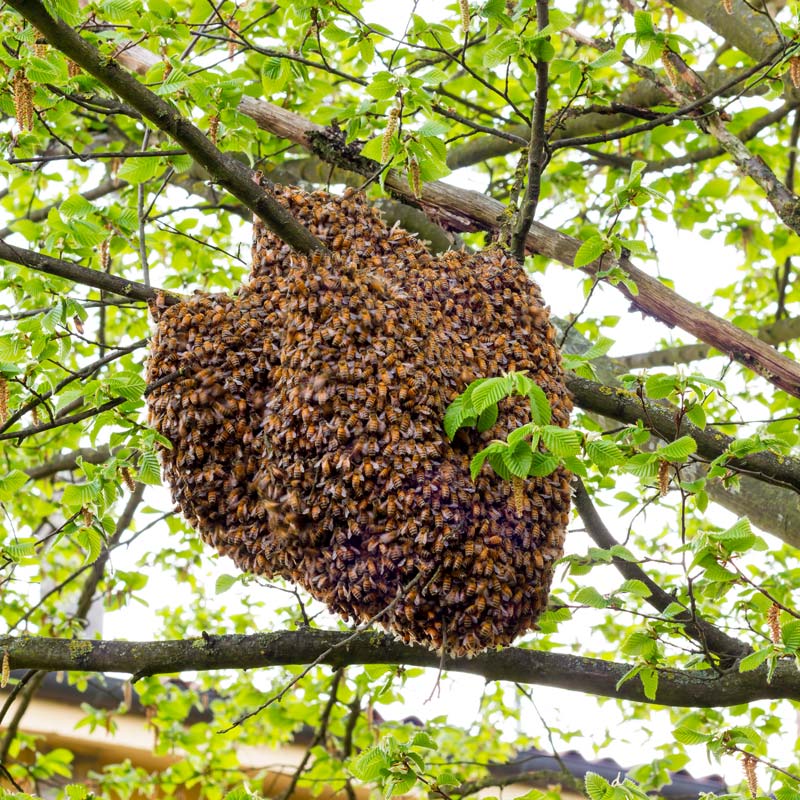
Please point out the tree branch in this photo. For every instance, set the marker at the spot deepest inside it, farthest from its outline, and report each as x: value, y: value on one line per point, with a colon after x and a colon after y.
x: 83, y: 275
x: 627, y: 406
x: 69, y: 461
x: 693, y: 689
x: 781, y: 331
x: 538, y: 155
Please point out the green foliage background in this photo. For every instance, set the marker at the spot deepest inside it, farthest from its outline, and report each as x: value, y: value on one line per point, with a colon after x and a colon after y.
x: 422, y: 96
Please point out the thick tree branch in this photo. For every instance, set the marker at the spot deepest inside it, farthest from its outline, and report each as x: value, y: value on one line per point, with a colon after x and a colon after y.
x: 230, y: 173
x: 290, y: 648
x: 750, y: 32
x: 69, y: 461
x: 627, y: 406
x: 643, y: 94
x: 781, y: 331
x: 78, y: 274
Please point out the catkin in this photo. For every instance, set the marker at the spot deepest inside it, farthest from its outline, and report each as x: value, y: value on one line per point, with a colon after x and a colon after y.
x: 663, y: 478
x: 40, y: 46
x: 105, y: 255
x: 233, y: 28
x: 669, y: 68
x: 414, y: 177
x: 773, y: 619
x: 127, y: 478
x: 23, y: 100
x: 749, y: 766
x: 463, y: 6
x: 73, y: 69
x: 6, y: 671
x: 728, y: 6
x: 3, y: 400
x: 213, y: 128
x: 794, y: 71
x: 391, y: 127
x: 519, y: 495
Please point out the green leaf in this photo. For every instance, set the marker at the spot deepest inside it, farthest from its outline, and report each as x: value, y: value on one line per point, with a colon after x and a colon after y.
x: 561, y: 441
x: 755, y: 660
x: 643, y: 22
x: 129, y: 385
x: 80, y: 495
x: 149, y: 469
x: 589, y: 596
x: 697, y: 416
x: 649, y: 679
x: 476, y: 463
x: 679, y: 450
x: 608, y: 59
x: 454, y: 416
x: 382, y: 87
x: 604, y: 453
x: 498, y: 464
x: 635, y: 587
x: 400, y: 785
x: 91, y: 541
x: 500, y: 52
x: 140, y: 170
x: 690, y: 736
x: 433, y: 128
x: 639, y: 643
x: 541, y: 413
x: 643, y: 465
x: 21, y: 551
x: 596, y: 786
x: 40, y: 71
x: 370, y: 764
x: 490, y: 392
x: 225, y: 582
x: 487, y: 419
x: 620, y: 551
x: 790, y: 634
x: 424, y: 740
x: 11, y: 483
x: 659, y: 385
x: 738, y: 538
x: 590, y: 251
x: 518, y: 459
x: 542, y: 464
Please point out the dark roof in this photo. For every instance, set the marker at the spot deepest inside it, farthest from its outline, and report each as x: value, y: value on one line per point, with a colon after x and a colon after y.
x: 682, y: 787
x: 105, y: 692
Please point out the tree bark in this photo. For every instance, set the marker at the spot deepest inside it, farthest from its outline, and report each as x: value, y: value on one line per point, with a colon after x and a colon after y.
x: 689, y: 689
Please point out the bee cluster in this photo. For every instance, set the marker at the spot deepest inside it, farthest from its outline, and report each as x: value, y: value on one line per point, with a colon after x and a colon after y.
x: 307, y: 427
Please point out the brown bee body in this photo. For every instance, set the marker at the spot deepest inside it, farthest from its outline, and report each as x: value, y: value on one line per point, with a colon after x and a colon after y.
x: 307, y: 426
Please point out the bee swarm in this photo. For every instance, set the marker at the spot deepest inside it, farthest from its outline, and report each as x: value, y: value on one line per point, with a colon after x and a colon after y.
x: 307, y: 427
